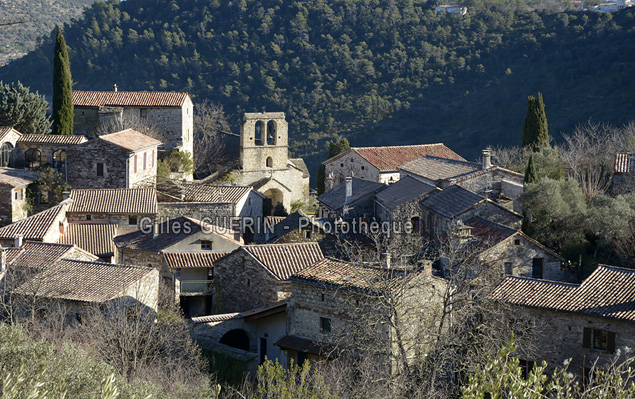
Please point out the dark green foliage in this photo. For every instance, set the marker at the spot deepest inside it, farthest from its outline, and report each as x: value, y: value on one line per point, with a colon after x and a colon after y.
x: 378, y: 72
x: 535, y: 129
x: 530, y: 172
x: 53, y: 184
x: 62, y: 88
x: 23, y: 110
x: 335, y: 147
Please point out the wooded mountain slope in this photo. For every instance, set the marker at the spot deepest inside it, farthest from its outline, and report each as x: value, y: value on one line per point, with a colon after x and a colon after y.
x: 37, y: 18
x: 381, y: 72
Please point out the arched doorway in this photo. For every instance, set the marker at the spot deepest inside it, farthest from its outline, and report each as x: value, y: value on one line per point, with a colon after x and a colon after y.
x: 275, y: 199
x: 236, y: 338
x: 32, y: 158
x: 59, y: 160
x: 6, y: 155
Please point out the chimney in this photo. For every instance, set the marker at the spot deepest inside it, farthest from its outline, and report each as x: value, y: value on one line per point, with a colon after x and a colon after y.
x: 388, y: 260
x: 18, y: 241
x: 114, y: 87
x: 487, y: 158
x: 3, y: 259
x: 349, y: 190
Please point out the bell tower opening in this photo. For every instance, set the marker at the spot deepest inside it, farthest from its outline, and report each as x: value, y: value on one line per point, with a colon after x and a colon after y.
x: 263, y: 141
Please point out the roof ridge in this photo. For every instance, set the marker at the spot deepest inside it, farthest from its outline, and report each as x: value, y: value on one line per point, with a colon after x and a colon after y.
x: 281, y: 244
x: 542, y: 281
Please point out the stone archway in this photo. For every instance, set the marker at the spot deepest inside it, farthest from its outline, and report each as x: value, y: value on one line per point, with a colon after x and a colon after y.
x: 236, y: 338
x: 275, y: 198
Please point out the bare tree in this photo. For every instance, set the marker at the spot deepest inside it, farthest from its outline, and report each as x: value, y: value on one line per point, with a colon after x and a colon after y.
x: 513, y: 158
x: 210, y: 122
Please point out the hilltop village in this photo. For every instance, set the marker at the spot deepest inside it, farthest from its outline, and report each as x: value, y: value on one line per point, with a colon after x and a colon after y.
x: 400, y: 252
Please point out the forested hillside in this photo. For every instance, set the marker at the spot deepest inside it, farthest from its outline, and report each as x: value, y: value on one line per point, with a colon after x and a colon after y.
x: 377, y: 71
x: 31, y: 19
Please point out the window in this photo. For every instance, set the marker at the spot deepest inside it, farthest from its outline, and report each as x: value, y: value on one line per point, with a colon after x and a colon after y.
x: 597, y: 339
x: 508, y: 268
x: 100, y: 169
x: 269, y: 162
x: 517, y: 242
x: 16, y: 195
x: 325, y: 325
x: 152, y: 159
x: 210, y: 273
x: 415, y: 221
x: 322, y: 297
x: 132, y: 220
x: 59, y: 159
x: 135, y: 163
x: 536, y: 269
x: 89, y: 217
x: 307, y: 234
x: 271, y: 133
x: 6, y: 154
x: 145, y: 159
x: 302, y: 357
x: 33, y: 158
x: 206, y: 245
x: 143, y: 112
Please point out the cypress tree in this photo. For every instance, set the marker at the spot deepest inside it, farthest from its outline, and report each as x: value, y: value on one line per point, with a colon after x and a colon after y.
x: 62, y: 88
x: 530, y: 172
x: 535, y: 128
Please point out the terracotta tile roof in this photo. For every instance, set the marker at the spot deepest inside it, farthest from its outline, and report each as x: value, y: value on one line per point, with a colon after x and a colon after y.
x: 335, y: 198
x: 75, y: 280
x: 15, y: 177
x: 306, y: 345
x: 128, y: 201
x: 213, y: 194
x: 215, y: 318
x: 95, y: 238
x: 489, y: 232
x: 624, y: 163
x: 435, y: 168
x: 5, y: 130
x: 452, y: 201
x: 130, y: 140
x: 253, y: 314
x: 128, y: 98
x: 192, y: 259
x: 609, y: 292
x: 52, y: 139
x: 391, y: 158
x: 283, y: 260
x: 39, y: 255
x: 34, y: 227
x: 168, y: 236
x: 405, y: 190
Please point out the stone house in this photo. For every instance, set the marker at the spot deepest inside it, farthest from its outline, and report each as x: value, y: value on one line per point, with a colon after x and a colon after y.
x: 145, y: 247
x: 126, y: 208
x: 45, y: 226
x: 588, y: 323
x: 353, y: 199
x: 248, y: 336
x: 171, y: 113
x: 379, y: 164
x: 300, y: 227
x: 13, y: 195
x: 8, y: 139
x: 483, y: 178
x: 264, y: 160
x: 399, y: 204
x: 193, y: 283
x: 442, y: 209
x: 256, y: 275
x: 510, y: 251
x: 623, y: 180
x: 339, y: 306
x: 38, y: 150
x: 126, y: 159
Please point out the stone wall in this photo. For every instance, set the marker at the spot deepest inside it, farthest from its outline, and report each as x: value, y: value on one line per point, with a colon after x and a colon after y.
x: 122, y: 221
x: 14, y: 201
x: 216, y: 214
x: 520, y: 252
x: 244, y: 284
x: 350, y: 165
x: 556, y: 337
x: 142, y: 169
x: 146, y: 290
x: 622, y: 183
x: 255, y: 151
x: 82, y: 163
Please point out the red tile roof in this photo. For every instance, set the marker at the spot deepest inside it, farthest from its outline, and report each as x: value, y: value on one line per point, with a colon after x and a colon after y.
x: 130, y: 140
x: 213, y: 194
x: 283, y: 260
x: 39, y: 255
x: 391, y: 158
x: 128, y: 98
x: 15, y: 178
x: 609, y: 292
x: 34, y: 227
x: 75, y: 280
x: 624, y: 163
x: 192, y: 259
x: 127, y: 201
x: 95, y: 238
x: 52, y: 139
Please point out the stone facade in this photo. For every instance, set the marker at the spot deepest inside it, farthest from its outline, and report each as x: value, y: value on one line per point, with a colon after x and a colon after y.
x: 49, y: 154
x: 8, y: 139
x: 328, y: 242
x: 243, y: 283
x: 217, y: 214
x: 126, y: 223
x: 519, y: 253
x: 337, y: 170
x: 623, y: 183
x: 557, y: 337
x: 100, y: 164
x: 265, y: 163
x: 15, y: 198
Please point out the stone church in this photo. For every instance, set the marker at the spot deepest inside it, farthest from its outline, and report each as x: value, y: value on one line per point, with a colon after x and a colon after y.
x: 265, y: 162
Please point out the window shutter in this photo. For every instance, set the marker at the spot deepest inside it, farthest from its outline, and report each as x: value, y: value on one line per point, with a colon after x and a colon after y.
x: 610, y: 344
x: 586, y: 338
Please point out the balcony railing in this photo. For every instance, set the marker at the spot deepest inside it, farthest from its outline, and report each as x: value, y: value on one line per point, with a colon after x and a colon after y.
x: 196, y: 287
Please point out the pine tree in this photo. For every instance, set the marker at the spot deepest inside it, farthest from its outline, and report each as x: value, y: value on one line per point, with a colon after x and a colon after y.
x: 535, y: 128
x: 62, y: 88
x: 530, y: 172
